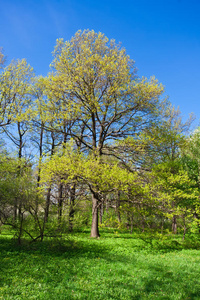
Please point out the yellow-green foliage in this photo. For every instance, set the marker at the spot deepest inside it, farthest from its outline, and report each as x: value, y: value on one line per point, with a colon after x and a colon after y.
x: 15, y: 91
x: 178, y: 191
x: 102, y: 176
x: 94, y: 75
x: 15, y: 181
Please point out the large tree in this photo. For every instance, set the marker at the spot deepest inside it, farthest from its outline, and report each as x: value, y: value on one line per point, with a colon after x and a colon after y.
x: 96, y: 80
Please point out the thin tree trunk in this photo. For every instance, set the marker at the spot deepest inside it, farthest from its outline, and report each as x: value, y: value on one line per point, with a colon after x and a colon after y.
x: 20, y: 157
x: 184, y: 228
x: 15, y: 210
x: 132, y: 222
x: 71, y: 206
x: 20, y: 140
x: 174, y: 225
x: 39, y: 168
x: 46, y: 211
x: 60, y: 189
x: 128, y: 220
x: 107, y: 205
x: 47, y: 205
x: 20, y: 228
x: 60, y: 202
x: 117, y: 207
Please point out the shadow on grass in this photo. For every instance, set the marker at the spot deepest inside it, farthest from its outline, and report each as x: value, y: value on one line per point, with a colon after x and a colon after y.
x: 71, y: 246
x: 107, y: 275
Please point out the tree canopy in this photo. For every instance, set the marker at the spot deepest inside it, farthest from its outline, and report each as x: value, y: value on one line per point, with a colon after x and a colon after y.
x: 93, y: 130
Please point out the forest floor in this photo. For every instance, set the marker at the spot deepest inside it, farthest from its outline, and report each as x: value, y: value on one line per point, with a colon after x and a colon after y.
x: 115, y: 266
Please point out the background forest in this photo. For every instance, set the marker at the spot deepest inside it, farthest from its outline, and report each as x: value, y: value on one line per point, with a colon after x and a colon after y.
x: 92, y: 144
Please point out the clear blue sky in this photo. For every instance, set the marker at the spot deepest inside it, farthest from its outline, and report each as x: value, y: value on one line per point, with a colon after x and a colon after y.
x: 162, y: 36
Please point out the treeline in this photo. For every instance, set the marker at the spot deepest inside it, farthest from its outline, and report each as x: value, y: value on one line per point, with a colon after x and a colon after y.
x: 93, y: 143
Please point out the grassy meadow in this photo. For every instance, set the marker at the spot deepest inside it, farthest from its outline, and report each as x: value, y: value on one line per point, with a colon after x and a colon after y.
x: 115, y: 266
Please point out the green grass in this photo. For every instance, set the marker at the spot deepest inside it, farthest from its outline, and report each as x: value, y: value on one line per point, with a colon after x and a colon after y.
x: 116, y: 266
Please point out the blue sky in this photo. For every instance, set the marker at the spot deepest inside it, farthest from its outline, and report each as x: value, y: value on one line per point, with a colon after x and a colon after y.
x: 161, y: 36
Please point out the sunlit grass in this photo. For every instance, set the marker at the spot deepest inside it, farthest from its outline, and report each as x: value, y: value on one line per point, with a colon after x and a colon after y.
x: 116, y: 266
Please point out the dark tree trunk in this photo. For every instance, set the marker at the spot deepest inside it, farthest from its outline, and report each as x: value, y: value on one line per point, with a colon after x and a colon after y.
x: 95, y: 228
x: 20, y: 140
x: 174, y: 225
x: 20, y: 228
x: 131, y: 222
x: 128, y: 220
x: 117, y: 207
x: 19, y: 201
x: 184, y: 228
x: 47, y: 205
x: 20, y: 210
x: 46, y: 212
x: 71, y: 206
x: 60, y: 202
x: 15, y: 210
x: 39, y: 169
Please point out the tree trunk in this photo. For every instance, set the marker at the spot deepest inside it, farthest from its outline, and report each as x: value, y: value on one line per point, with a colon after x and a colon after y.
x: 20, y: 228
x: 15, y: 209
x: 60, y: 202
x: 46, y: 213
x: 184, y: 228
x: 117, y: 207
x: 39, y: 168
x: 131, y: 222
x: 19, y: 168
x: 95, y: 228
x: 128, y: 222
x: 20, y: 140
x: 71, y: 206
x: 174, y: 225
